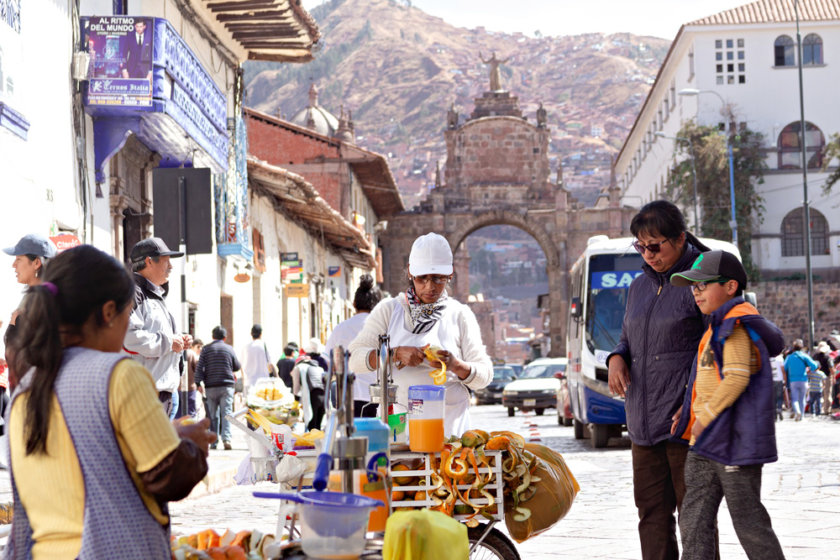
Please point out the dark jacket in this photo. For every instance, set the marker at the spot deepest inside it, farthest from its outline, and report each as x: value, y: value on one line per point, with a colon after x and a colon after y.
x: 216, y: 365
x: 659, y: 336
x: 744, y: 433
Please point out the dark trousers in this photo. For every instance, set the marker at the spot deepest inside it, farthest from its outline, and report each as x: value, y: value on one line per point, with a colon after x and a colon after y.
x: 814, y: 402
x: 707, y: 483
x: 779, y: 392
x: 364, y: 409
x: 658, y: 487
x: 316, y: 400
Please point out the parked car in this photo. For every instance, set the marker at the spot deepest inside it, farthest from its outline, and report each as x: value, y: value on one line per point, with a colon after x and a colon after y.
x: 537, y: 388
x: 492, y: 394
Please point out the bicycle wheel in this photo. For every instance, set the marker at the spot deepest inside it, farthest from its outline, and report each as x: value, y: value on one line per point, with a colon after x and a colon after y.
x: 494, y: 546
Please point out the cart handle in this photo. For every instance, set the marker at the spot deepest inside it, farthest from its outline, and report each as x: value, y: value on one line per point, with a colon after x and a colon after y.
x: 291, y: 496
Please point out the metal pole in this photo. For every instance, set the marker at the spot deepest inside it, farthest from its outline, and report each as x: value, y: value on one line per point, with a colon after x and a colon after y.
x: 808, y: 272
x: 694, y: 179
x: 733, y: 223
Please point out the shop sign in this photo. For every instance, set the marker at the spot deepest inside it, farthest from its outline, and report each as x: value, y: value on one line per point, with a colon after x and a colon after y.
x: 296, y: 290
x: 65, y: 241
x: 334, y: 271
x: 121, y: 54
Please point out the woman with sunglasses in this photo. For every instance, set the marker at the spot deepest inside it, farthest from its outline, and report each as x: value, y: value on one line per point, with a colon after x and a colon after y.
x: 650, y: 367
x: 426, y: 315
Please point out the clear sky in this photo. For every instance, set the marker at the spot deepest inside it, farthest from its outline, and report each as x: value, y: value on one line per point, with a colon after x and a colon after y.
x: 660, y: 18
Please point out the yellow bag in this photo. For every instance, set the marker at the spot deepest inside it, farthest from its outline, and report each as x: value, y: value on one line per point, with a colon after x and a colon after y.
x: 553, y: 499
x: 424, y: 535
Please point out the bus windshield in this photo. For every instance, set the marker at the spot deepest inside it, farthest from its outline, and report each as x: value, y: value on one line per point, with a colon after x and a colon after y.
x: 609, y: 279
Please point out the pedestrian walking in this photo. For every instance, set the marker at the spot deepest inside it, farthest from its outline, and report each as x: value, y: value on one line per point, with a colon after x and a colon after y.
x: 823, y: 357
x: 189, y: 390
x: 309, y: 382
x: 91, y: 476
x: 365, y: 299
x: 777, y: 365
x: 214, y: 375
x: 286, y: 364
x: 796, y: 368
x: 727, y: 413
x: 152, y: 338
x: 650, y: 367
x: 816, y: 381
x: 256, y: 362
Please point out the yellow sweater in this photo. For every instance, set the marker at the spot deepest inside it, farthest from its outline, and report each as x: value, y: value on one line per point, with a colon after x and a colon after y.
x: 51, y: 486
x: 713, y: 394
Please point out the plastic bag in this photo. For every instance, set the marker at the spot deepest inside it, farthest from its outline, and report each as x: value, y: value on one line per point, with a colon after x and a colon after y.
x: 552, y: 500
x: 424, y: 535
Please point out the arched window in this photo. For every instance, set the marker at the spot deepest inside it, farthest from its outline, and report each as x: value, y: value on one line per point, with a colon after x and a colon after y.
x: 793, y: 233
x: 783, y: 51
x: 812, y: 49
x: 789, y: 148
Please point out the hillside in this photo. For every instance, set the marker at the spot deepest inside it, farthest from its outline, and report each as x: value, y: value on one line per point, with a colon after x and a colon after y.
x: 398, y: 70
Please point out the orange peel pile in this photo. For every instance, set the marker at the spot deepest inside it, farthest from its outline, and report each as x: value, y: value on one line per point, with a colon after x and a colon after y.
x: 438, y: 375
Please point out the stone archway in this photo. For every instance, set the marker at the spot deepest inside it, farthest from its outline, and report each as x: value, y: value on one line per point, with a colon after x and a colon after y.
x: 497, y: 173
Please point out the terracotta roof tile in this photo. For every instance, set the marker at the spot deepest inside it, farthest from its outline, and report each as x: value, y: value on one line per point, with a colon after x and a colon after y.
x: 772, y: 11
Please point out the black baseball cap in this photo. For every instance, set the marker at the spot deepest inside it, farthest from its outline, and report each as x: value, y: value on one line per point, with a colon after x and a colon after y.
x: 152, y: 247
x: 712, y: 265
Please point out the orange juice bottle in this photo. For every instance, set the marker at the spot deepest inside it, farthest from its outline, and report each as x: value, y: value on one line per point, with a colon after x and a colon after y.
x: 425, y: 418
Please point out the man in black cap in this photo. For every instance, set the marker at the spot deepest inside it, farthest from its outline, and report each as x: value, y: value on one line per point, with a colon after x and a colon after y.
x: 152, y: 337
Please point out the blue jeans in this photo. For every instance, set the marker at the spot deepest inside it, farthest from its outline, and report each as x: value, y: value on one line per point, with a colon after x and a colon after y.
x: 219, y: 405
x: 798, y: 392
x: 173, y: 410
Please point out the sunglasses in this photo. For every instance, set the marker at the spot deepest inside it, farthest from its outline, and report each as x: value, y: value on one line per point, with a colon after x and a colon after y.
x: 651, y: 248
x: 434, y: 279
x: 701, y: 286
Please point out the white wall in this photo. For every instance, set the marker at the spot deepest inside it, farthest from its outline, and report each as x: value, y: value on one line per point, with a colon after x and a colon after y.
x: 38, y: 184
x: 767, y: 102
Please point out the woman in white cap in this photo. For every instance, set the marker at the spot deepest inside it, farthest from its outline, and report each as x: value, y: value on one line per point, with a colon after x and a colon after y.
x: 425, y: 315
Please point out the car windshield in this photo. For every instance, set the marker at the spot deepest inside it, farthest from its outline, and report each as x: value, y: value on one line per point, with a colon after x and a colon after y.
x: 542, y: 370
x: 503, y: 374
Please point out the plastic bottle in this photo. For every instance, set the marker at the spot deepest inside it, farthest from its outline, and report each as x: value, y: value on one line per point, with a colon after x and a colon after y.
x: 425, y: 418
x: 375, y: 460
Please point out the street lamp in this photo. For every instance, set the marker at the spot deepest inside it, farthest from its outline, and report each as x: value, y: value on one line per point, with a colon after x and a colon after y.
x: 732, y: 222
x: 693, y: 171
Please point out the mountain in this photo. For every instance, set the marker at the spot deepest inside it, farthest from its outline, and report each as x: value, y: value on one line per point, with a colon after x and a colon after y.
x: 398, y: 70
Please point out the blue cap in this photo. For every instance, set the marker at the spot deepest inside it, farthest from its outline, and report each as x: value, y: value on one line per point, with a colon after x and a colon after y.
x: 33, y: 244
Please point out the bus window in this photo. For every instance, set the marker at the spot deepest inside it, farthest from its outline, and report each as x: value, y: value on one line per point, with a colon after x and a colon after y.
x: 609, y: 279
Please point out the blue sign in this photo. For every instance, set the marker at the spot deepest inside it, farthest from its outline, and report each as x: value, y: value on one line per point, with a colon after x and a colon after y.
x: 613, y: 279
x: 120, y: 50
x: 144, y: 79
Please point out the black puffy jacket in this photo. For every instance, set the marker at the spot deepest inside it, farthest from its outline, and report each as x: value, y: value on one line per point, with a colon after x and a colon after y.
x: 659, y: 336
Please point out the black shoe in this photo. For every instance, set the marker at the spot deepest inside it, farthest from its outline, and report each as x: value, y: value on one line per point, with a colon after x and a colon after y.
x: 213, y: 446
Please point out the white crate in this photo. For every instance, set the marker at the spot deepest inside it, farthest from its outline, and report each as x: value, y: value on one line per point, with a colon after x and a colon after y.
x: 495, y: 488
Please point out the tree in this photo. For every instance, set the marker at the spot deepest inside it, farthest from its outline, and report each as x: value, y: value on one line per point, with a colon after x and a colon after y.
x: 830, y: 152
x: 707, y: 145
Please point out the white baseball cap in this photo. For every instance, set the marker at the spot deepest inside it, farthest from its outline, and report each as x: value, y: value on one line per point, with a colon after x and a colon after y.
x: 430, y: 254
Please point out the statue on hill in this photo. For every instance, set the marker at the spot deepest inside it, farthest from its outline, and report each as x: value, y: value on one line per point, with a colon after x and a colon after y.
x: 495, y: 75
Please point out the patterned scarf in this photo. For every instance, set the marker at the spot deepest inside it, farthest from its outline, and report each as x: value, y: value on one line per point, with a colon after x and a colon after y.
x: 424, y: 315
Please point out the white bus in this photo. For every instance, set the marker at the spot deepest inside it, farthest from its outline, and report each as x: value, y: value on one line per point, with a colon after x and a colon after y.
x: 599, y: 282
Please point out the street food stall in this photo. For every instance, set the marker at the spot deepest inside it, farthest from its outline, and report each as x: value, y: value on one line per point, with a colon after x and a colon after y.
x: 363, y: 488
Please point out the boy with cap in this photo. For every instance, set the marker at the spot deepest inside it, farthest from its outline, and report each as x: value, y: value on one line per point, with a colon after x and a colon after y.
x: 728, y: 414
x: 152, y: 338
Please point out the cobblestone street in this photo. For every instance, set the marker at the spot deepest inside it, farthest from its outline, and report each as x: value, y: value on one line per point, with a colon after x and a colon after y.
x: 801, y: 491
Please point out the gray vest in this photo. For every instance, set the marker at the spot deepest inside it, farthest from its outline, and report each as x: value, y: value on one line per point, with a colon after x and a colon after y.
x: 117, y: 524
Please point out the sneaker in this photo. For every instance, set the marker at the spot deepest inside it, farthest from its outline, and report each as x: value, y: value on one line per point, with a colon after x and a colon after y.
x: 213, y: 446
x: 228, y: 446
x: 798, y: 417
